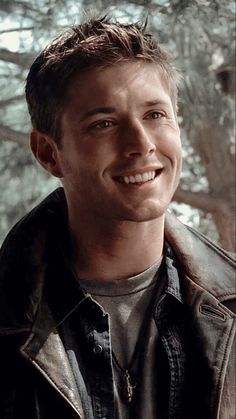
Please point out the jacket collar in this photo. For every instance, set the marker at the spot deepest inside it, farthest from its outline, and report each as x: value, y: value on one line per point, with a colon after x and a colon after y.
x: 24, y: 261
x: 36, y: 238
x: 205, y: 272
x: 207, y: 266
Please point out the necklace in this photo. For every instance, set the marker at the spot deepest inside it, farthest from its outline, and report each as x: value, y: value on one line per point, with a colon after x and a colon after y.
x: 129, y: 374
x: 130, y: 384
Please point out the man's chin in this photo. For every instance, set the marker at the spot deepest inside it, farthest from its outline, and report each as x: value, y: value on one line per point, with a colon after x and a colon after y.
x: 144, y: 214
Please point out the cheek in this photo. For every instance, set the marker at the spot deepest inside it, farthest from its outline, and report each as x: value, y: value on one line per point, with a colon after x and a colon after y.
x: 170, y: 147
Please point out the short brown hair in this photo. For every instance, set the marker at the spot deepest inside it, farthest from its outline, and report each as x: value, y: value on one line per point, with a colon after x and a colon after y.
x: 96, y: 43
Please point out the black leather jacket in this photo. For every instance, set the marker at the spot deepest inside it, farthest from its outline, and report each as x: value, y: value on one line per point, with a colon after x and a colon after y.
x: 36, y: 380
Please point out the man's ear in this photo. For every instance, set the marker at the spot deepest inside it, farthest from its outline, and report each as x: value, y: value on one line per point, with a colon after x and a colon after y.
x: 45, y: 151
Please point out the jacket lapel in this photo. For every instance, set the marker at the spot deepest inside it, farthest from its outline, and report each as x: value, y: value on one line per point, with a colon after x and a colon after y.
x: 207, y: 288
x: 213, y: 332
x: 45, y: 351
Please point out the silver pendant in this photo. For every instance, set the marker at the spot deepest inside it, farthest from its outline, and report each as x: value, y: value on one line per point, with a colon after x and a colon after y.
x: 129, y: 388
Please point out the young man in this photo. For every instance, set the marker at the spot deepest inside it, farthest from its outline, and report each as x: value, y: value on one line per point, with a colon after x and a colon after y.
x: 110, y: 307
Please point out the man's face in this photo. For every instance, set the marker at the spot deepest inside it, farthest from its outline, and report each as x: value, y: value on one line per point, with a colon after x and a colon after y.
x: 120, y: 154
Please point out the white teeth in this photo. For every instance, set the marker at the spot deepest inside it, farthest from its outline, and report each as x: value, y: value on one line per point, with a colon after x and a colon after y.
x: 139, y: 178
x: 132, y: 179
x: 145, y: 177
x: 126, y: 179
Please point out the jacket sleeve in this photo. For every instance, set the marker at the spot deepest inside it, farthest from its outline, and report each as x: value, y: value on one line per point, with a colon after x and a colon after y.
x: 16, y: 387
x: 228, y: 401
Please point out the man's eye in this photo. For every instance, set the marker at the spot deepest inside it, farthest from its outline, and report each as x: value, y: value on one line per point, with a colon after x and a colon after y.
x: 155, y: 115
x: 102, y: 124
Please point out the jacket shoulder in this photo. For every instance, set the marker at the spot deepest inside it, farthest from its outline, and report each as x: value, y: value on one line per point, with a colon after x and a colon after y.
x: 23, y: 261
x: 202, y: 261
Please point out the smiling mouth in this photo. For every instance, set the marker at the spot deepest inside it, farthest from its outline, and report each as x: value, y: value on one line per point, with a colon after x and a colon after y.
x: 139, y: 178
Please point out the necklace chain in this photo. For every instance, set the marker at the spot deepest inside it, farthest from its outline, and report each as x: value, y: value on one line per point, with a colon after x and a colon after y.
x: 129, y: 377
x: 130, y: 385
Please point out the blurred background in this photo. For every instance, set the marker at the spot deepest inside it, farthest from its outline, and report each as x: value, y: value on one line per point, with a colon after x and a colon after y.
x: 200, y: 35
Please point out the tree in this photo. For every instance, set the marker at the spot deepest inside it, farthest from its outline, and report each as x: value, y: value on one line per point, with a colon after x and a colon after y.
x: 199, y: 34
x: 211, y: 102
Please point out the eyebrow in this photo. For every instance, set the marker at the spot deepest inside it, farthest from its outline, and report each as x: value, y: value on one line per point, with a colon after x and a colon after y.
x: 156, y: 102
x: 105, y: 110
x: 109, y: 109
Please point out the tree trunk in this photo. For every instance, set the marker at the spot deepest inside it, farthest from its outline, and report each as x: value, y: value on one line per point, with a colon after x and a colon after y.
x: 215, y: 151
x: 214, y: 148
x: 225, y: 223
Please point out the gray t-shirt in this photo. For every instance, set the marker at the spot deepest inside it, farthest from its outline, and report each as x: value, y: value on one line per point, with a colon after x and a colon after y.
x: 129, y: 303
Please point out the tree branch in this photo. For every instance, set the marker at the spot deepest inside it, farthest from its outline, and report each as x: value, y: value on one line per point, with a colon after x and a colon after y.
x: 23, y: 59
x: 200, y: 200
x: 8, y: 134
x: 10, y: 100
x: 18, y: 29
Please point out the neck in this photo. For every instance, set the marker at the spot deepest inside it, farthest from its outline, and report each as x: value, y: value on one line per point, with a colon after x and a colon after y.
x: 115, y: 250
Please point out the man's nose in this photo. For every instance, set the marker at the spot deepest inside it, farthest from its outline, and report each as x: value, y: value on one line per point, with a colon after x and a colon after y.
x: 137, y: 140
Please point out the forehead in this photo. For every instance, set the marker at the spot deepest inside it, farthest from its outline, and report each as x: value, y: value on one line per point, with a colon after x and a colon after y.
x: 131, y: 82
